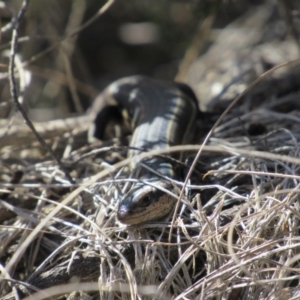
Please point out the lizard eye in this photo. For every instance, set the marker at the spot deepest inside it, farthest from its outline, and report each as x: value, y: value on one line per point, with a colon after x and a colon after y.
x: 145, y: 201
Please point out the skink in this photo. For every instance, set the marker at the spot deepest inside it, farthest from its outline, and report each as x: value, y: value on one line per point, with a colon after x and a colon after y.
x: 162, y: 114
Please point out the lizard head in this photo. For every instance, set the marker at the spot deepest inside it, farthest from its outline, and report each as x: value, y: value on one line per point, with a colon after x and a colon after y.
x: 144, y: 203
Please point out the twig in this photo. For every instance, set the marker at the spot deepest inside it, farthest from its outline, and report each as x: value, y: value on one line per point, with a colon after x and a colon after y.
x: 34, y: 58
x: 14, y: 93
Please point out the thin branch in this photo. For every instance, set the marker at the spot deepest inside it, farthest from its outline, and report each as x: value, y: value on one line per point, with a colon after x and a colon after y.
x: 14, y: 92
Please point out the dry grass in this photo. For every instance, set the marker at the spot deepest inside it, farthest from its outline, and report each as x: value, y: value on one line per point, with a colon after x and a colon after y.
x: 242, y: 243
x: 234, y: 235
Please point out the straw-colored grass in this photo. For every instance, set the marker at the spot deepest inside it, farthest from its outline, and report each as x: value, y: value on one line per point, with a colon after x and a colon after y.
x: 235, y: 231
x: 235, y: 235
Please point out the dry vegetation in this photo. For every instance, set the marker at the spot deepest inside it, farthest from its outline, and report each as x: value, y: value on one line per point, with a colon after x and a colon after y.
x: 235, y: 232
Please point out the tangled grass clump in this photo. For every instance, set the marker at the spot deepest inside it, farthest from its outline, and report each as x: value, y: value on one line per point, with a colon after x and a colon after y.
x: 235, y: 233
